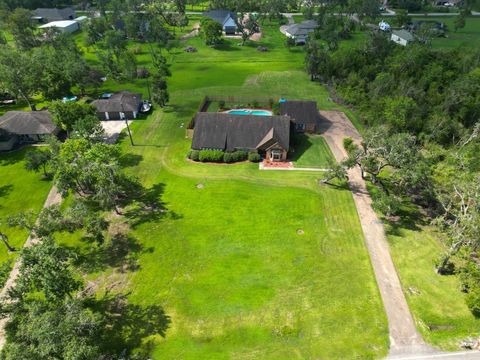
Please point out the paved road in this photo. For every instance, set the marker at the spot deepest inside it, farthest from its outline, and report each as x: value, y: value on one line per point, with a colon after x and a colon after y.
x: 406, y: 343
x: 53, y: 198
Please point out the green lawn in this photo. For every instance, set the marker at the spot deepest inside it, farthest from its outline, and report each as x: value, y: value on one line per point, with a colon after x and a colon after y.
x: 436, y: 301
x: 468, y: 36
x: 311, y: 151
x: 226, y: 262
x: 20, y: 190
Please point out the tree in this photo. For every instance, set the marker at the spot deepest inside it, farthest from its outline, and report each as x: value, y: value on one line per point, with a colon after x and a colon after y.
x: 88, y: 127
x: 212, y: 31
x: 22, y: 29
x: 18, y: 74
x: 335, y: 171
x: 36, y: 160
x: 460, y: 20
x: 46, y: 268
x: 247, y: 25
x: 401, y: 18
x: 67, y: 114
x: 92, y: 172
x: 160, y: 90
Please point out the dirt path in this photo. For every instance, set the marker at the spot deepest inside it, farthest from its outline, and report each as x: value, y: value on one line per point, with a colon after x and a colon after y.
x: 53, y: 198
x: 404, y: 337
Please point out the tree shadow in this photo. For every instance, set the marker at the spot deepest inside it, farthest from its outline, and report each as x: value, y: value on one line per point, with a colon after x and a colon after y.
x: 120, y: 252
x: 129, y: 160
x: 126, y: 325
x: 407, y: 218
x: 5, y: 190
x: 150, y: 207
x: 301, y: 143
x: 227, y: 47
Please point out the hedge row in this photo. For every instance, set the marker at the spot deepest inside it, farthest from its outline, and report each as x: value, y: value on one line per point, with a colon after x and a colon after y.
x: 221, y: 156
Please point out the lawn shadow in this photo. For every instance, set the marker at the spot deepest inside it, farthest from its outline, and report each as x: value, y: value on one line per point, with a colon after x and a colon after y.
x: 5, y: 190
x: 128, y: 325
x: 150, y: 207
x: 227, y: 47
x: 120, y: 252
x: 130, y: 160
x: 301, y: 143
x: 407, y: 218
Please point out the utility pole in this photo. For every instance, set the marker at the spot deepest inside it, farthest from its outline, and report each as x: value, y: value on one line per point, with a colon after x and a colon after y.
x: 128, y: 127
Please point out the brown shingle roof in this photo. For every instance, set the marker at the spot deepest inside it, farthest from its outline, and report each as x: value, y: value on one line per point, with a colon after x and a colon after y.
x: 301, y: 112
x: 119, y: 102
x: 27, y: 123
x: 231, y: 132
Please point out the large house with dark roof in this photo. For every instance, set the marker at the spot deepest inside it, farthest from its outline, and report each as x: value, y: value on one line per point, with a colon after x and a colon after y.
x: 17, y: 127
x: 46, y: 15
x: 122, y: 105
x: 226, y: 18
x: 304, y: 114
x: 268, y: 135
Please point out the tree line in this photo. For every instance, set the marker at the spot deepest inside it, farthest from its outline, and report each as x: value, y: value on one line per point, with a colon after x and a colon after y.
x: 421, y: 110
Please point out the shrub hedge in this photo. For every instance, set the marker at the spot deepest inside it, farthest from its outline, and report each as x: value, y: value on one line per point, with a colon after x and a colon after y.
x: 221, y: 156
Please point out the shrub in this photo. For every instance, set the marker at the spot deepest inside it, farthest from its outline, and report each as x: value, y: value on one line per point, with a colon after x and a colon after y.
x: 254, y: 157
x: 271, y: 102
x: 221, y: 104
x: 473, y: 301
x: 193, y: 155
x: 239, y: 156
x: 211, y: 155
x: 255, y: 104
x: 276, y: 108
x: 228, y: 157
x: 348, y: 144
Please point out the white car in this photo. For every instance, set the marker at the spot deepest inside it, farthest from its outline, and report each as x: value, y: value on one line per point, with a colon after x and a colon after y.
x: 384, y: 26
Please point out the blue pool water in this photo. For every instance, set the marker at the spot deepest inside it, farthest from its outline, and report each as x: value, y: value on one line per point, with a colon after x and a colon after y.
x: 250, y: 112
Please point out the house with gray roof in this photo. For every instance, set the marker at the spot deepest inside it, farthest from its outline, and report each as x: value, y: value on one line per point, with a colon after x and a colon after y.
x: 300, y: 32
x: 46, y: 15
x: 304, y: 114
x: 226, y: 18
x: 402, y: 37
x: 122, y: 105
x: 18, y: 127
x: 268, y: 135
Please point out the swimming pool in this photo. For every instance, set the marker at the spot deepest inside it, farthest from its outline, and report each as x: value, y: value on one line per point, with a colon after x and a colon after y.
x: 250, y: 112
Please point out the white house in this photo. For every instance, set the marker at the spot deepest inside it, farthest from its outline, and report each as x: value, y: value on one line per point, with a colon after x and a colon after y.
x: 64, y: 26
x: 402, y: 37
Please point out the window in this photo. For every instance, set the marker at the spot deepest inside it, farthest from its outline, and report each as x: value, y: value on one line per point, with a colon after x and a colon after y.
x: 276, y: 155
x: 300, y: 127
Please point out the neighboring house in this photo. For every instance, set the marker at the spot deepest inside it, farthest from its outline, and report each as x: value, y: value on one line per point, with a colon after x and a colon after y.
x: 300, y: 32
x: 304, y: 114
x: 47, y: 15
x: 402, y: 37
x: 269, y: 135
x: 119, y: 106
x: 226, y: 18
x: 64, y: 26
x: 17, y: 127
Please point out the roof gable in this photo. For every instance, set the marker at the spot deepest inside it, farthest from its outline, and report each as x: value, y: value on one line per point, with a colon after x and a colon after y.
x: 119, y: 102
x: 303, y: 112
x: 27, y: 123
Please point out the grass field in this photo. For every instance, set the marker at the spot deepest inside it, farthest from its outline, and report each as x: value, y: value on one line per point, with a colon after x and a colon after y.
x: 311, y: 151
x: 20, y: 190
x: 468, y: 36
x: 252, y: 264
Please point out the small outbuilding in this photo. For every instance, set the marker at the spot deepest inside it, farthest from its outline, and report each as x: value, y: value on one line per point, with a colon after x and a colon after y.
x: 64, y: 26
x: 402, y: 37
x: 19, y: 127
x: 122, y: 105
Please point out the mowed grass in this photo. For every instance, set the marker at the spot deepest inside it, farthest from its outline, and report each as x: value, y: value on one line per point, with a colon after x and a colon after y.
x: 255, y: 264
x: 436, y: 301
x: 311, y: 151
x: 20, y: 190
x: 469, y: 36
